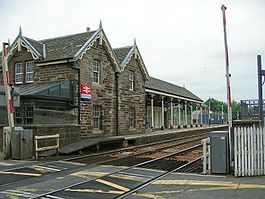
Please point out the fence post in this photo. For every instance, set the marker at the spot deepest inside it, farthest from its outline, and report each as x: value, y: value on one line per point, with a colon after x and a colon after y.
x: 245, y: 151
x: 204, y: 148
x: 249, y: 152
x: 235, y: 152
x: 239, y: 151
x: 263, y: 132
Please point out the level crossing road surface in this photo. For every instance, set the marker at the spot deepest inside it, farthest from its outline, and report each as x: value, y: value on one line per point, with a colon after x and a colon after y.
x: 26, y: 179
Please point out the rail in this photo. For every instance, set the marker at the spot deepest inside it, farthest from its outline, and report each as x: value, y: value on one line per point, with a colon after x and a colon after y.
x: 138, y: 148
x: 46, y: 148
x: 134, y: 189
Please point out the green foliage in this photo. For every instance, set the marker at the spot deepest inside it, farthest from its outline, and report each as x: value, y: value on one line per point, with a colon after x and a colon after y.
x: 216, y: 106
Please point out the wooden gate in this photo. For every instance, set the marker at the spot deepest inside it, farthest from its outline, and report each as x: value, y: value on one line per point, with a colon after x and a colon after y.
x: 249, y: 151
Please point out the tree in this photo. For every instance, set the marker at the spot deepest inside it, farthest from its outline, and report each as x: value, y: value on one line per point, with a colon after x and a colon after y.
x: 235, y: 110
x: 216, y: 106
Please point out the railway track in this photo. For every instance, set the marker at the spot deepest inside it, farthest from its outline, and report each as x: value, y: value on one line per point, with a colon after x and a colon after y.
x: 122, y: 157
x: 134, y: 187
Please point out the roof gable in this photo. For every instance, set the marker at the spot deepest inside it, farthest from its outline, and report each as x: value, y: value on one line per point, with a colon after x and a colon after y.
x: 32, y: 46
x: 103, y: 40
x: 124, y: 55
x: 121, y: 53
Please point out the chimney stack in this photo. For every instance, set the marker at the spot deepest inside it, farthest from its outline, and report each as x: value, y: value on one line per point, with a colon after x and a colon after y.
x: 87, y: 29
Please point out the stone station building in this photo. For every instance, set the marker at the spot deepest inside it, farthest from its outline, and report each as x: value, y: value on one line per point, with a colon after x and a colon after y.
x: 124, y: 100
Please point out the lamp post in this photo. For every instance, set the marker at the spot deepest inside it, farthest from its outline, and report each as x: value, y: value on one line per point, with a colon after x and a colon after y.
x: 261, y: 73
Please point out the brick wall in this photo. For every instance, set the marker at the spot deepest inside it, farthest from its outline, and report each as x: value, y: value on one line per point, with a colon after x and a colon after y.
x: 53, y: 73
x: 103, y: 94
x: 68, y: 133
x: 132, y: 98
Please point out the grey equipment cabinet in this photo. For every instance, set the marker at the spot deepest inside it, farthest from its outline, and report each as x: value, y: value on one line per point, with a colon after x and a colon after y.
x: 219, y: 155
x: 22, y: 144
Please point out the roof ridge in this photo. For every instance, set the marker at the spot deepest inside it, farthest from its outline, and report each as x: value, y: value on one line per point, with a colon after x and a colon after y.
x: 168, y: 82
x: 70, y: 35
x: 33, y: 40
x: 123, y: 47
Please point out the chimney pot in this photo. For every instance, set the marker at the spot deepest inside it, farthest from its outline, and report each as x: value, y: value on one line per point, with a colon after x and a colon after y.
x: 87, y: 29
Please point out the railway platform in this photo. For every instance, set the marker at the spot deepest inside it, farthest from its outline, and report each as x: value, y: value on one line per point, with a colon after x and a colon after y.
x: 154, y: 136
x: 103, y: 143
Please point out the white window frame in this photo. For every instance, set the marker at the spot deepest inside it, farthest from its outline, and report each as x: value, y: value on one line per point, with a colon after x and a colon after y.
x: 96, y: 71
x: 18, y: 73
x: 96, y: 117
x: 29, y: 64
x: 131, y: 80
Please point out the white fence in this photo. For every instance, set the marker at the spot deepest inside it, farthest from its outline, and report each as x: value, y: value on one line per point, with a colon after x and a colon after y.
x: 249, y: 151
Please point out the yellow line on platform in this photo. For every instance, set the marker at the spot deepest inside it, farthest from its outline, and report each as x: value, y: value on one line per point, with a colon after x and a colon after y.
x: 17, y: 173
x: 93, y: 191
x: 111, y: 184
x: 210, y: 183
x: 5, y: 164
x: 73, y: 163
x: 83, y: 174
x: 99, y: 174
x: 146, y: 195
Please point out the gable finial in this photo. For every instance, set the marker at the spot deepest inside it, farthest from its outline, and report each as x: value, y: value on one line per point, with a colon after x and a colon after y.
x: 134, y: 41
x: 100, y: 24
x: 20, y: 30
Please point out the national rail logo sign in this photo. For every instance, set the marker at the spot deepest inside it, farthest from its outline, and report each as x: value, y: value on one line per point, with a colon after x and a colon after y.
x: 86, y: 91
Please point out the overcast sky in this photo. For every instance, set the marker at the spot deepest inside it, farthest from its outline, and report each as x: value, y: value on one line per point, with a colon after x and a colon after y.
x: 181, y: 41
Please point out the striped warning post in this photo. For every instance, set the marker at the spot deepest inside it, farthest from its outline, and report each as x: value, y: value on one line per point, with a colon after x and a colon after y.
x: 7, y: 87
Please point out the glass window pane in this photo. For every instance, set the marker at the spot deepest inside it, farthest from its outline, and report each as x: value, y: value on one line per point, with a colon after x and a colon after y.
x: 18, y: 73
x: 54, y: 91
x: 96, y: 117
x: 131, y: 80
x: 28, y: 111
x: 96, y: 71
x: 29, y: 71
x: 65, y: 89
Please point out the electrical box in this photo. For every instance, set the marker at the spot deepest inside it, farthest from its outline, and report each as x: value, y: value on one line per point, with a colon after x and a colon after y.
x: 219, y: 155
x: 22, y: 144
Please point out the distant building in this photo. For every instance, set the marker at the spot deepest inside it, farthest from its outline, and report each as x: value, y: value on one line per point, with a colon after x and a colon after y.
x: 124, y: 98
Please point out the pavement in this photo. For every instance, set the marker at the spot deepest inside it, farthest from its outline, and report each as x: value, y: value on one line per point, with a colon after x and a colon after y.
x: 26, y: 179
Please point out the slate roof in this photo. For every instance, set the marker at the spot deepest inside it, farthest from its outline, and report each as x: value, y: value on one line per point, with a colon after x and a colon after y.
x: 166, y: 87
x: 66, y: 46
x: 121, y: 53
x: 36, y: 45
